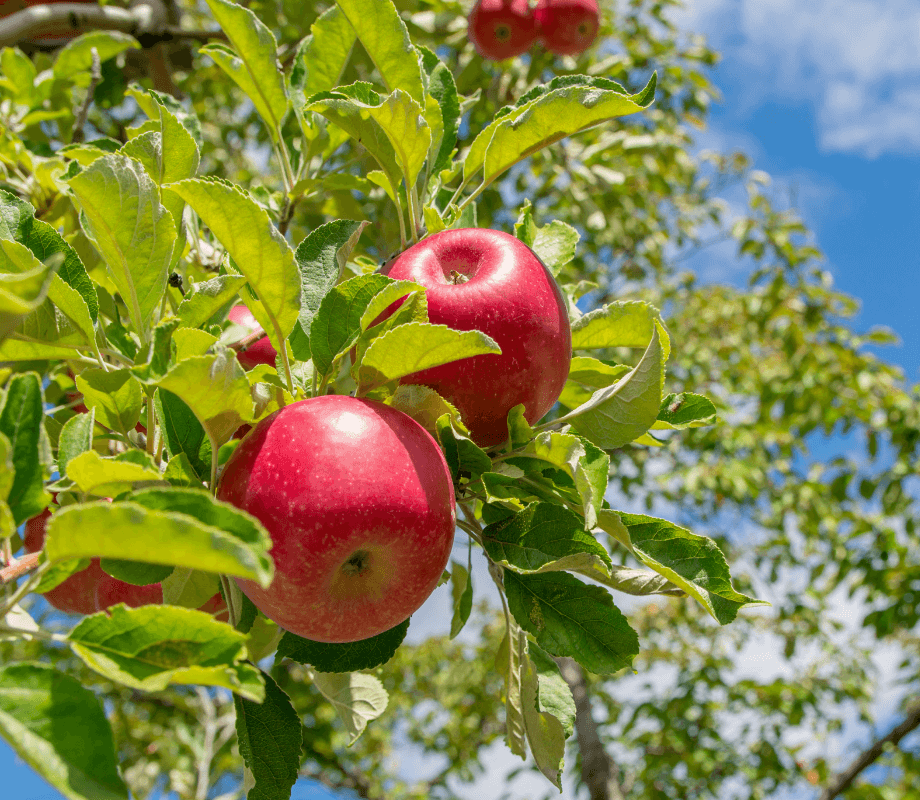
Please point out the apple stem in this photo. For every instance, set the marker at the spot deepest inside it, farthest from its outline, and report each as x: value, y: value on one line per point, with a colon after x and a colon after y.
x: 456, y: 278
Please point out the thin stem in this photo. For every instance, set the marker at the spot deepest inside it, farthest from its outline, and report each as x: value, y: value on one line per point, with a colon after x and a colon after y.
x: 233, y: 613
x: 414, y: 210
x: 453, y: 199
x: 287, y: 171
x: 212, y: 486
x: 16, y: 569
x: 76, y: 134
x: 24, y: 589
x: 151, y: 425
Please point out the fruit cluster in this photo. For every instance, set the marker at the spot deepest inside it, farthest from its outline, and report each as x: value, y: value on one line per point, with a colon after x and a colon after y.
x: 507, y: 28
x: 356, y: 495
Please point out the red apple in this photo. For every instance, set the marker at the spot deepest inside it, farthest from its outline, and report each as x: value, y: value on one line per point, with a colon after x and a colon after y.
x: 260, y: 351
x: 502, y: 29
x: 489, y: 281
x: 77, y: 594
x: 359, y: 504
x: 567, y: 27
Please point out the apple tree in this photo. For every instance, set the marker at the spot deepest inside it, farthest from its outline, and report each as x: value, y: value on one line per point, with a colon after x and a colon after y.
x: 152, y: 245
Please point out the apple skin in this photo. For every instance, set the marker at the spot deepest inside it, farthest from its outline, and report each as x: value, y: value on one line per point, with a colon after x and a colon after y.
x: 76, y: 594
x: 260, y: 351
x: 567, y: 27
x: 501, y: 29
x: 509, y: 295
x: 359, y: 503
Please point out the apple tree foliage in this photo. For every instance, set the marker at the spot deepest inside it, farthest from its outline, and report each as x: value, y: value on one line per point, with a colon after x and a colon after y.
x: 377, y: 129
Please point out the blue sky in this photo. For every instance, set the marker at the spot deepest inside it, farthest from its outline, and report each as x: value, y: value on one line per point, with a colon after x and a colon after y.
x: 824, y: 96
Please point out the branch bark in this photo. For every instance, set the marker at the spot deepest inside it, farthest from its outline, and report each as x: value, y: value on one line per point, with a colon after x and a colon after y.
x: 23, y: 566
x: 598, y: 772
x: 843, y: 780
x: 146, y: 21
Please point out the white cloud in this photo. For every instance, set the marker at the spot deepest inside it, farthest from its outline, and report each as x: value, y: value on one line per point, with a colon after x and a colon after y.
x: 857, y: 64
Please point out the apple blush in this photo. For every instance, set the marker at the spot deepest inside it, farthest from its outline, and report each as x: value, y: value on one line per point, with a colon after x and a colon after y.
x: 359, y: 503
x: 501, y: 29
x: 480, y: 279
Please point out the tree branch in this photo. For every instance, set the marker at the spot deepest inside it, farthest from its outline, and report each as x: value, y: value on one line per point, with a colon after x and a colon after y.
x: 598, y: 772
x: 146, y: 22
x: 842, y: 780
x: 23, y: 566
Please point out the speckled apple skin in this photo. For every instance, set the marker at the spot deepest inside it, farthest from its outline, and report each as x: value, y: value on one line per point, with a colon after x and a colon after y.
x: 330, y: 477
x: 512, y: 297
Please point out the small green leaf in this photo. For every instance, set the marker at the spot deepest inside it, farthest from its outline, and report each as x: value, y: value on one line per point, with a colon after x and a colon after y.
x: 465, y: 459
x: 108, y: 477
x: 115, y: 397
x: 692, y: 562
x: 512, y: 652
x: 347, y: 657
x: 254, y: 64
x: 189, y: 588
x: 415, y: 346
x: 549, y: 712
x: 570, y: 618
x: 152, y: 647
x: 38, y: 707
x: 137, y: 573
x: 587, y: 374
x: 207, y: 298
x: 76, y: 56
x: 196, y: 531
x: 258, y: 249
x: 322, y: 56
x: 24, y: 283
x: 626, y: 323
x: 615, y: 416
x: 462, y: 590
x: 685, y: 410
x: 21, y: 422
x: 424, y: 405
x: 357, y: 698
x: 385, y: 37
x: 183, y: 433
x: 131, y: 229
x: 270, y: 736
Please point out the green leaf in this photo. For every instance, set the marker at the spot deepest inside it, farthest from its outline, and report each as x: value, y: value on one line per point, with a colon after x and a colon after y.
x: 385, y: 37
x: 625, y: 323
x: 337, y: 323
x: 614, y: 416
x: 108, y: 477
x: 207, y: 298
x: 321, y: 57
x: 585, y: 464
x: 463, y: 456
x: 346, y: 657
x: 17, y: 75
x: 152, y: 647
x: 258, y: 249
x: 320, y: 259
x: 254, y: 65
x: 215, y: 389
x: 24, y: 283
x: 76, y: 438
x: 131, y: 229
x: 115, y: 397
x: 356, y: 696
x: 137, y: 573
x: 189, y: 588
x: 549, y: 712
x: 71, y: 303
x: 461, y: 588
x: 415, y: 346
x: 443, y: 90
x: 544, y: 537
x: 685, y: 410
x: 592, y: 373
x: 347, y: 107
x: 77, y: 55
x: 17, y: 222
x: 570, y: 618
x: 424, y: 405
x: 183, y: 433
x: 169, y: 526
x: 403, y: 121
x: 39, y: 706
x: 512, y: 652
x: 692, y: 562
x: 270, y: 736
x: 552, y: 117
x: 21, y: 422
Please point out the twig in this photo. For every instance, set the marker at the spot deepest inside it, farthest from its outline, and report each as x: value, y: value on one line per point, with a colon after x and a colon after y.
x: 80, y: 119
x: 843, y: 780
x: 16, y: 569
